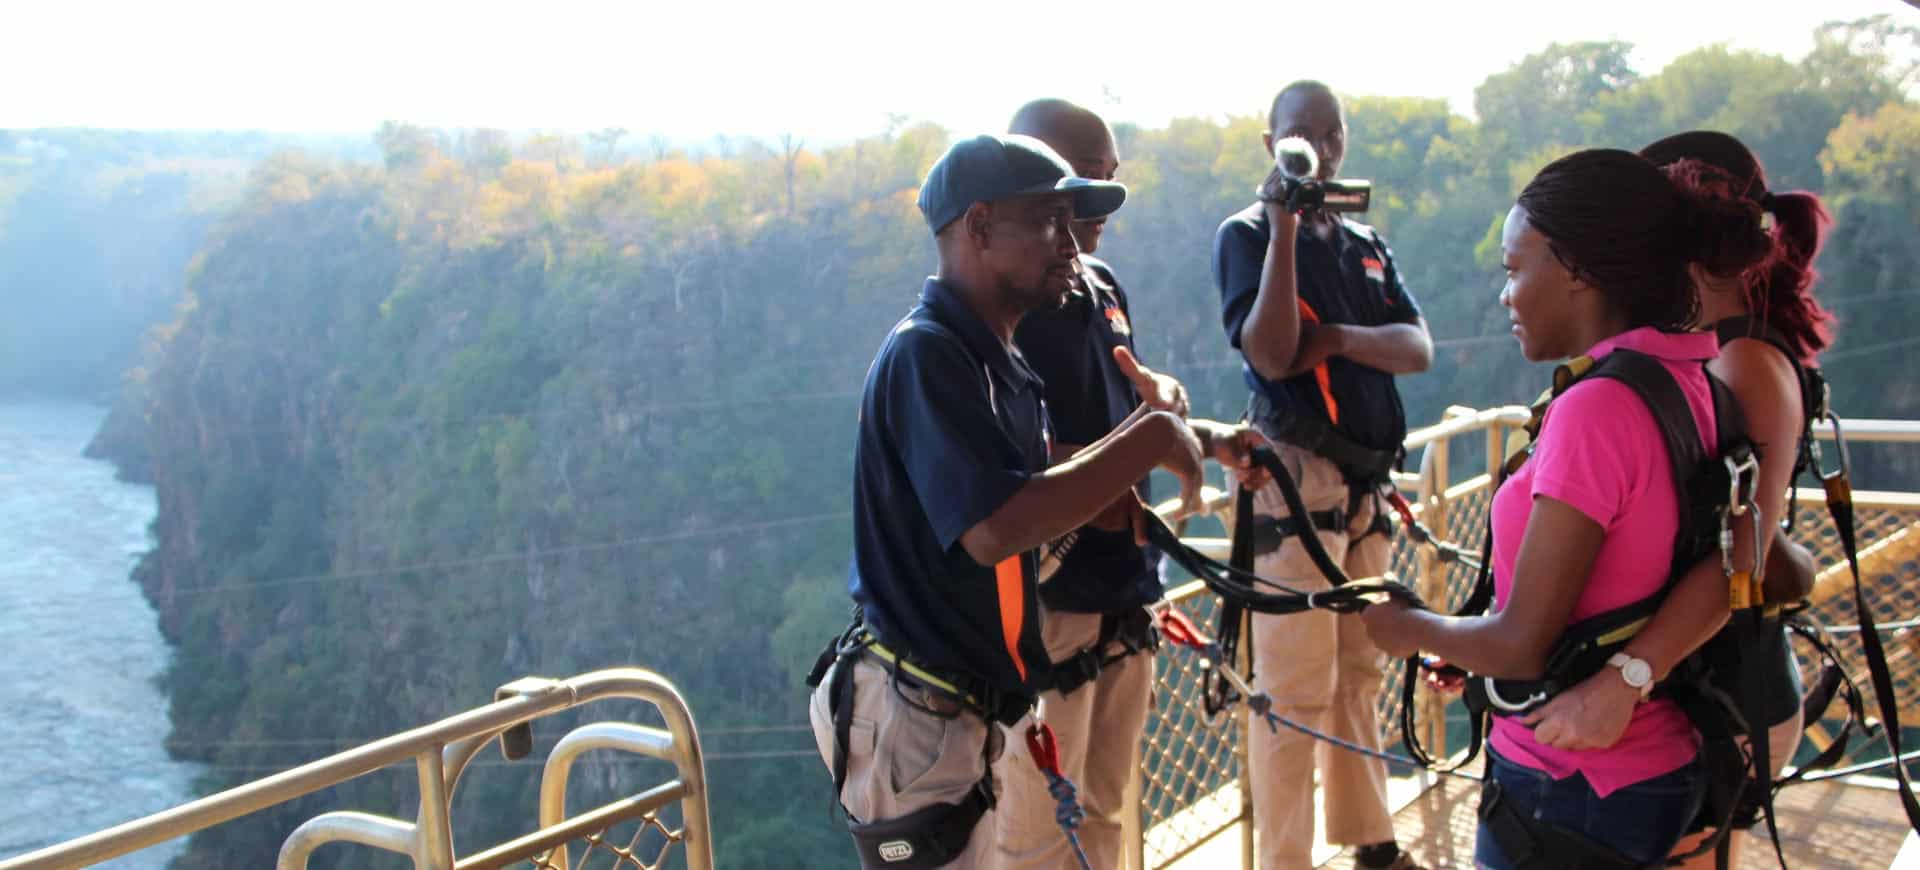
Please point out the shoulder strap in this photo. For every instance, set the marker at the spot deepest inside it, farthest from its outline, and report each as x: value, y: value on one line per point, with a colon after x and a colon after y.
x: 1672, y: 414
x: 1812, y: 385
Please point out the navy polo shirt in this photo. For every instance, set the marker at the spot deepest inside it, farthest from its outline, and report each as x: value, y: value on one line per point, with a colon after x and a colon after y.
x: 1072, y: 349
x: 1349, y: 278
x: 952, y: 424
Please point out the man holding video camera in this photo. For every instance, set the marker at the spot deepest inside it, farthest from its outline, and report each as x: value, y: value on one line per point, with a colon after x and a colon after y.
x: 1316, y: 307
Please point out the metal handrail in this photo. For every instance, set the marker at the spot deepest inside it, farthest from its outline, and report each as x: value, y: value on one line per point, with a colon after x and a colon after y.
x: 439, y: 751
x: 1864, y: 429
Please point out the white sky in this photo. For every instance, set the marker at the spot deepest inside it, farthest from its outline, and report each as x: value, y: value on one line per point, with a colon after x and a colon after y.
x: 688, y: 69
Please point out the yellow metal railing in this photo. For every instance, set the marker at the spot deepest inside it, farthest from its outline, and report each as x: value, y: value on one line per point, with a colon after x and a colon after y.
x: 1191, y: 782
x: 440, y: 752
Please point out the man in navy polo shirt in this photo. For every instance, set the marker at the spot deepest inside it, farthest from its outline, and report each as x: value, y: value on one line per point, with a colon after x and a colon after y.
x: 1315, y: 305
x: 1097, y: 628
x: 953, y: 494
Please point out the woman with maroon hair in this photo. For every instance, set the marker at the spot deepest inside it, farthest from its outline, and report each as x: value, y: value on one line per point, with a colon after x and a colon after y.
x: 1764, y: 314
x: 1600, y: 253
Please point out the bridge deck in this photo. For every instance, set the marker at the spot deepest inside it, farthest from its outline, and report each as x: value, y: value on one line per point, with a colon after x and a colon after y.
x: 1855, y: 823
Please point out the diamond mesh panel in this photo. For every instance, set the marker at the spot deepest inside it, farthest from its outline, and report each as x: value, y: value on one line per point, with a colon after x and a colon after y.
x: 1188, y: 768
x: 644, y: 844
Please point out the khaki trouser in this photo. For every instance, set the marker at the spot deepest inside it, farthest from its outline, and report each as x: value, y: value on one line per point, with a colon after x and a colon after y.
x: 1323, y: 672
x: 1097, y: 729
x: 901, y: 759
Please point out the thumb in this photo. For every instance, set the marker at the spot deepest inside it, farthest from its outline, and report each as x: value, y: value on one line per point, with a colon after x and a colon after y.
x: 1129, y: 366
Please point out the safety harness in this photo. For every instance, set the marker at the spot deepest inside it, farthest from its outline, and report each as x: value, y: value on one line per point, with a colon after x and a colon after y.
x: 1122, y: 634
x: 931, y: 836
x: 1716, y: 502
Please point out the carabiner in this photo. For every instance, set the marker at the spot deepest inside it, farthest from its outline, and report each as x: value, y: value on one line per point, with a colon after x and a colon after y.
x: 1741, y: 468
x: 1494, y: 697
x: 1840, y: 445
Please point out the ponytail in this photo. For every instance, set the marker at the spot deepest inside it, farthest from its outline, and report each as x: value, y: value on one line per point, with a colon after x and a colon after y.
x: 1779, y: 288
x: 1782, y: 297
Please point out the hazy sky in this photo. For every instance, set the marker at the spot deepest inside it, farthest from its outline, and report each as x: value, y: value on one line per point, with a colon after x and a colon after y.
x: 828, y: 70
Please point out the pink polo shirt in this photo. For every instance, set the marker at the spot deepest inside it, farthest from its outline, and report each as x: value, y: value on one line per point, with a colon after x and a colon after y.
x: 1600, y: 452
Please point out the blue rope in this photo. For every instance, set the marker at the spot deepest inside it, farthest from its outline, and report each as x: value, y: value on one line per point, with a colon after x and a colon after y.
x: 1262, y: 706
x: 1067, y: 812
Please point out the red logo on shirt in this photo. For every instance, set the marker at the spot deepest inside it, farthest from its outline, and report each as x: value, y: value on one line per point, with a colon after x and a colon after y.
x: 1376, y: 270
x: 1117, y: 320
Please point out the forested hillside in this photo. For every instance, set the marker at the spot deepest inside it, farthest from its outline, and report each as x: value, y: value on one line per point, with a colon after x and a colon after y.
x: 488, y: 408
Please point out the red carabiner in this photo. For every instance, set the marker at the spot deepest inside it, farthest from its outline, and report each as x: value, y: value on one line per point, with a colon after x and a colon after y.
x: 1181, y: 630
x: 1044, y: 749
x: 1400, y: 506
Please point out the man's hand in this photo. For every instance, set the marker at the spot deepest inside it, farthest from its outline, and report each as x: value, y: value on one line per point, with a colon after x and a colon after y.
x: 1385, y: 622
x: 1232, y: 446
x: 1273, y: 194
x: 1591, y: 715
x: 1183, y: 459
x: 1319, y: 342
x: 1440, y: 680
x: 1160, y: 392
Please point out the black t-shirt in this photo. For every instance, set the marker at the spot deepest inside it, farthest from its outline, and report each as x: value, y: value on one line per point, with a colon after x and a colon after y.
x: 1072, y: 349
x: 952, y: 424
x: 1348, y: 279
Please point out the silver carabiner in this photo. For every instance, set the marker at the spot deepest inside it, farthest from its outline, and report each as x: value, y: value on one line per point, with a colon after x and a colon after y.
x: 1840, y: 447
x: 1740, y: 470
x: 1498, y: 701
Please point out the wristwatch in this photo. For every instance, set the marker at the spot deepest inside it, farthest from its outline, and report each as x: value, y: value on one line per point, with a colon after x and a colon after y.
x: 1636, y: 672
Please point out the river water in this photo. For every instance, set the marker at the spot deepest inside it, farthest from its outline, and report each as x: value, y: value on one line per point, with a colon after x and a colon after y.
x: 82, y: 719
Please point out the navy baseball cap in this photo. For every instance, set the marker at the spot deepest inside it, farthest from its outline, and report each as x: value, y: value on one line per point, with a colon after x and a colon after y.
x: 988, y: 167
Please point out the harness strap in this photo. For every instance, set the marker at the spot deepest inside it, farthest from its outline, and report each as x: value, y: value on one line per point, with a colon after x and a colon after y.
x: 1840, y: 504
x: 1269, y: 533
x: 1477, y: 603
x: 1216, y: 692
x: 1132, y: 629
x: 1358, y: 462
x: 840, y: 699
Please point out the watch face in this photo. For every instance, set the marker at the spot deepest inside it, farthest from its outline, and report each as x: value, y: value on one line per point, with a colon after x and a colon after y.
x: 1637, y: 673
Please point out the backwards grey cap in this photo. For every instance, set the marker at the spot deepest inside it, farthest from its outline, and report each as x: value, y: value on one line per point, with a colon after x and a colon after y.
x: 988, y: 167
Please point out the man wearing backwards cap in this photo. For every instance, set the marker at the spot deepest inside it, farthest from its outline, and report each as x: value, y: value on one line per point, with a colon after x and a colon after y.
x: 953, y: 493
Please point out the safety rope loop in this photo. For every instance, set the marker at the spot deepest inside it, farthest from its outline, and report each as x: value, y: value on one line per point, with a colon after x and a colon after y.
x: 1448, y: 552
x: 1045, y: 750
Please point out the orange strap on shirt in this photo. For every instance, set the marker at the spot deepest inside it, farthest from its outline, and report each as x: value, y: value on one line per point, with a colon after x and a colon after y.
x: 1010, y: 579
x: 1320, y: 371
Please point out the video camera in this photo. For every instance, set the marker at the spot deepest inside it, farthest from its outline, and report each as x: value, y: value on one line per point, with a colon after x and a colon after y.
x: 1297, y: 162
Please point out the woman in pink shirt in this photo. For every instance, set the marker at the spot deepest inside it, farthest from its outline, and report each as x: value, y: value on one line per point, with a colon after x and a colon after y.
x: 1596, y: 252
x: 1773, y: 303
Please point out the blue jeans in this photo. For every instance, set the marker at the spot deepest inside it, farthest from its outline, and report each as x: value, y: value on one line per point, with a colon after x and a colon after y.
x: 1642, y: 821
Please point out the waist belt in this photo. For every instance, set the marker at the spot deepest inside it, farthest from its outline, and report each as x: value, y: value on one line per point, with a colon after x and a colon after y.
x: 1579, y: 654
x: 931, y: 836
x: 1271, y: 532
x: 972, y: 693
x: 1132, y: 629
x: 1358, y: 462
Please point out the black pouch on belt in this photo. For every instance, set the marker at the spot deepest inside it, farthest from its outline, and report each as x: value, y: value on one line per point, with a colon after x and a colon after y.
x: 926, y: 838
